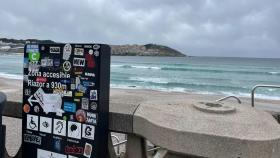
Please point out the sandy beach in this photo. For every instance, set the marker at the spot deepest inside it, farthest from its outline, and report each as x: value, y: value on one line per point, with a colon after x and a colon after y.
x: 13, y: 89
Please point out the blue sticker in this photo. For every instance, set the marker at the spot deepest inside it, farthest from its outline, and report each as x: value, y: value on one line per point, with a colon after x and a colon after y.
x: 88, y: 84
x: 65, y: 81
x: 32, y: 48
x: 70, y: 107
x: 57, y: 145
x: 26, y: 60
x: 56, y: 62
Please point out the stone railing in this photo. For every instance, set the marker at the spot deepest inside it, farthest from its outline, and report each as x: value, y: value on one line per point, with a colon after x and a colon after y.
x: 180, y: 130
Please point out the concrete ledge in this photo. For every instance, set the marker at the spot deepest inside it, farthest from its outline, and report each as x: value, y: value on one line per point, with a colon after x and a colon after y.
x: 177, y: 126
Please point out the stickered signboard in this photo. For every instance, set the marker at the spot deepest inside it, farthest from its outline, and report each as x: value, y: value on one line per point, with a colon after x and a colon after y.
x: 65, y: 100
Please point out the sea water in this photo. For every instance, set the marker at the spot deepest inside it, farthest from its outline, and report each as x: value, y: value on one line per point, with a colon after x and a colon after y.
x: 202, y: 75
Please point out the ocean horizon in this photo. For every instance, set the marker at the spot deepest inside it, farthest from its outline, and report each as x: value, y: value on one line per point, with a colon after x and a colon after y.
x: 200, y: 75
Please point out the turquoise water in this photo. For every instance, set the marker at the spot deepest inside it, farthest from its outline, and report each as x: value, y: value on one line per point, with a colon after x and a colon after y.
x: 205, y: 75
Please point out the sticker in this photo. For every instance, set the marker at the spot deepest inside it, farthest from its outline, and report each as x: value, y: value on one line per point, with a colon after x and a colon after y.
x: 57, y: 145
x: 91, y: 118
x: 93, y: 105
x: 48, y: 154
x: 55, y: 50
x: 81, y: 88
x: 49, y: 102
x: 80, y: 62
x: 85, y: 103
x: 70, y: 156
x: 32, y: 48
x: 32, y: 139
x: 67, y: 51
x: 78, y: 70
x: 78, y: 82
x: 79, y: 94
x: 79, y: 51
x: 77, y: 100
x: 46, y: 62
x: 93, y: 95
x: 59, y: 127
x: 27, y: 92
x: 32, y: 122
x: 26, y: 62
x: 65, y: 81
x: 26, y: 108
x: 88, y: 131
x: 73, y: 86
x: 81, y: 115
x: 26, y: 78
x: 41, y: 79
x: 67, y: 93
x: 89, y: 74
x: 74, y: 130
x: 90, y: 59
x: 88, y: 84
x: 74, y: 150
x: 96, y: 53
x: 36, y: 109
x: 96, y: 47
x: 87, y: 46
x: 33, y: 67
x: 56, y: 62
x: 67, y: 66
x: 33, y: 56
x: 70, y: 107
x: 88, y: 150
x: 45, y: 124
x: 65, y: 118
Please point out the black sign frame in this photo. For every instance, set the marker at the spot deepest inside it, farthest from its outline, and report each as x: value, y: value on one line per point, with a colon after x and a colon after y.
x: 53, y: 57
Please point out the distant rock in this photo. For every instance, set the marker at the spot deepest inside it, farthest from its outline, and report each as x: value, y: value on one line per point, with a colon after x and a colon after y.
x: 145, y: 50
x: 16, y: 46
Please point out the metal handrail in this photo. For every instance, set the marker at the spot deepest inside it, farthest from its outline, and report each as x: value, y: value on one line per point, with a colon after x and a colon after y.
x: 260, y: 86
x: 118, y: 141
x: 232, y: 96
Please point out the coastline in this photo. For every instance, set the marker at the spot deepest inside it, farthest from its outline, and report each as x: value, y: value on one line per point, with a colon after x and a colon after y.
x: 13, y: 89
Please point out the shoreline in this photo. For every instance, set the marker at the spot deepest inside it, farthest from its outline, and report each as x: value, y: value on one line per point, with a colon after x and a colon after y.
x: 13, y: 89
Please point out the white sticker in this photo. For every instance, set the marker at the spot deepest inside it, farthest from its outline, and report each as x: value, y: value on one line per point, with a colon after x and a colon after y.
x: 55, y: 50
x: 59, y: 127
x: 70, y: 156
x: 48, y: 154
x: 93, y: 95
x: 88, y: 150
x: 74, y: 130
x: 67, y: 66
x: 96, y: 46
x: 81, y: 62
x: 49, y: 102
x: 46, y: 124
x: 88, y: 131
x: 96, y: 53
x: 85, y: 103
x: 32, y: 122
x: 46, y: 62
x: 79, y: 51
x: 67, y: 51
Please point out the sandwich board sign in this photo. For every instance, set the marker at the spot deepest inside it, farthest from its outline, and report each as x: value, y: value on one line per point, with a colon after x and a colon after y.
x: 65, y: 100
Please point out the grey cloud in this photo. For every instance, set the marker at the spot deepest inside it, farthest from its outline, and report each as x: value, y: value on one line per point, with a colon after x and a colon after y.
x: 248, y: 28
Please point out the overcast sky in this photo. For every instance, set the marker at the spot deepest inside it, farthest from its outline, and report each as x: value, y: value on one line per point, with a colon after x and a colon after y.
x: 245, y: 28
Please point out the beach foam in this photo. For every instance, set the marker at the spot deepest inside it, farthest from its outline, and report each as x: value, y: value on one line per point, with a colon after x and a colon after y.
x: 10, y: 76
